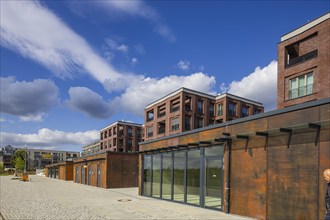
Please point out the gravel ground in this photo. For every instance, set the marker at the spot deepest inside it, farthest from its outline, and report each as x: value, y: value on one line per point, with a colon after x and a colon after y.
x: 47, y: 198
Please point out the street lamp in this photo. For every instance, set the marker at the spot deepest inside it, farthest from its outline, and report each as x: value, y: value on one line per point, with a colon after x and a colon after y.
x: 25, y: 160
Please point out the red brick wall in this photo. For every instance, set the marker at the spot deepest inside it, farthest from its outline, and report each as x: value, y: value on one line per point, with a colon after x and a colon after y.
x: 319, y: 65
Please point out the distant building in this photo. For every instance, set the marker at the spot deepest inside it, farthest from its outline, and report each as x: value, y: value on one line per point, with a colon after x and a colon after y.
x: 186, y: 109
x: 91, y: 148
x: 39, y: 158
x: 6, y: 154
x: 121, y: 136
x: 304, y: 63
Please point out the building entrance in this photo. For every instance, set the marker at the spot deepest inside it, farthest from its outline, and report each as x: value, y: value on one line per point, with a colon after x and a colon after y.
x: 192, y: 176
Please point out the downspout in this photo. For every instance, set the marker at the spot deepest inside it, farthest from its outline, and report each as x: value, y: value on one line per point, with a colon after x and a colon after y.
x: 228, y: 175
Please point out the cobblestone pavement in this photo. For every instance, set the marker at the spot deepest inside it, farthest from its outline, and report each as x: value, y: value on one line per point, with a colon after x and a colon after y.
x: 46, y: 198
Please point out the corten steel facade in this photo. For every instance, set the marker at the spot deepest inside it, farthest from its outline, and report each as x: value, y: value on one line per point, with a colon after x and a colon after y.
x: 266, y: 166
x: 304, y: 64
x: 107, y: 170
x: 121, y: 137
x: 186, y: 109
x: 62, y: 170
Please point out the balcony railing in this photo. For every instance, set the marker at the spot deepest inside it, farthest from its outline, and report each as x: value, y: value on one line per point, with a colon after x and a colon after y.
x: 301, y: 91
x: 302, y: 58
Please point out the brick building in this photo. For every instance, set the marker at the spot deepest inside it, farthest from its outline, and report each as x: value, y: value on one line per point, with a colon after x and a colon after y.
x: 186, y: 109
x: 121, y: 137
x: 304, y: 63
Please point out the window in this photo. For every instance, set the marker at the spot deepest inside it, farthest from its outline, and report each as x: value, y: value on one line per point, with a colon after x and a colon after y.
x: 200, y: 107
x: 301, y: 86
x: 114, y: 130
x: 130, y: 131
x: 245, y: 111
x: 161, y: 111
x: 110, y: 132
x: 105, y: 134
x: 232, y: 109
x: 199, y: 122
x: 129, y: 143
x: 150, y: 131
x: 115, y: 142
x: 175, y: 104
x: 150, y: 115
x: 187, y: 103
x: 187, y: 123
x: 257, y: 110
x: 211, y: 109
x: 175, y: 124
x: 220, y: 109
x: 161, y: 127
x: 101, y: 136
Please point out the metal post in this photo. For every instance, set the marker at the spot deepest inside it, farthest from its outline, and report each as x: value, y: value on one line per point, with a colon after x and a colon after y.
x: 25, y: 160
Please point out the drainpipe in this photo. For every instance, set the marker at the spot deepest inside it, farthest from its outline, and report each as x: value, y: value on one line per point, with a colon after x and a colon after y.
x: 228, y: 175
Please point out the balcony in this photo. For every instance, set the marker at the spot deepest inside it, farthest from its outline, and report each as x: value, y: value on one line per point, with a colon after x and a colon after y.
x: 301, y: 59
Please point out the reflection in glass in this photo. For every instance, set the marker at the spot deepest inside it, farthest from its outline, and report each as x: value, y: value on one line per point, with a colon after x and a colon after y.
x: 179, y: 161
x: 213, y: 182
x: 193, y: 172
x: 147, y: 175
x: 156, y: 176
x: 214, y: 151
x: 166, y: 175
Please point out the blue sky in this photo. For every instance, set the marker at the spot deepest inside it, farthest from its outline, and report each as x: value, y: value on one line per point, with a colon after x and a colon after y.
x: 70, y: 68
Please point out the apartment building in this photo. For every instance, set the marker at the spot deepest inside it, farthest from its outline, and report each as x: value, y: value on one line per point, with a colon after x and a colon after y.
x: 121, y: 136
x: 90, y: 148
x: 304, y: 63
x: 186, y: 109
x: 39, y: 158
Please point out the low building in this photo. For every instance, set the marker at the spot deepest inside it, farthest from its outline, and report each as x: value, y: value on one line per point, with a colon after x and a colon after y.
x: 121, y: 136
x: 107, y: 169
x: 62, y: 170
x: 267, y: 166
x: 186, y: 109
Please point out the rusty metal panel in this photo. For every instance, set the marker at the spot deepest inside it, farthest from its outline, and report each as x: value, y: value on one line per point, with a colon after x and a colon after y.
x: 324, y: 164
x: 292, y: 190
x: 248, y: 183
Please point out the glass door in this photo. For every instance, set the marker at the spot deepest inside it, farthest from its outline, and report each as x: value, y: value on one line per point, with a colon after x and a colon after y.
x: 213, y: 194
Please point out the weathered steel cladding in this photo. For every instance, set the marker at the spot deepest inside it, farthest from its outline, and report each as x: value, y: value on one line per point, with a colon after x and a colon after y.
x: 279, y: 177
x: 117, y: 170
x: 64, y: 170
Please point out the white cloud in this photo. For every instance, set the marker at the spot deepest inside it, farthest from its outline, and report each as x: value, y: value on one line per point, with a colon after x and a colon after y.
x: 114, y: 44
x: 134, y: 60
x: 261, y: 86
x: 28, y: 27
x: 143, y: 92
x: 140, y: 9
x: 87, y: 101
x: 183, y: 65
x: 28, y: 100
x: 2, y: 119
x: 50, y: 138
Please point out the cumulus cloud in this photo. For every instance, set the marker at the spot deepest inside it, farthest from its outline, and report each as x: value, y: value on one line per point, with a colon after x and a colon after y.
x: 87, y: 101
x: 183, y: 65
x: 261, y: 86
x: 28, y: 100
x: 140, y: 9
x: 28, y: 27
x: 50, y: 138
x: 145, y: 91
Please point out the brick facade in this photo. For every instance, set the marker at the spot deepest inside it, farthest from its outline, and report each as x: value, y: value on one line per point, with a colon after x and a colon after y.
x: 310, y: 46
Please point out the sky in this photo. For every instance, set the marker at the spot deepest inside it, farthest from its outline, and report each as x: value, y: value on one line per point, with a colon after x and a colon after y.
x: 70, y: 68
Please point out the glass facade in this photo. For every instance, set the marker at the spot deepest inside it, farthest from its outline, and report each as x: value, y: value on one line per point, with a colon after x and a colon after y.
x: 193, y: 176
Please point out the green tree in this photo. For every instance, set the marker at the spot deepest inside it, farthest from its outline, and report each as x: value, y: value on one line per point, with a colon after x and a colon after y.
x: 1, y: 166
x: 18, y: 154
x: 19, y: 165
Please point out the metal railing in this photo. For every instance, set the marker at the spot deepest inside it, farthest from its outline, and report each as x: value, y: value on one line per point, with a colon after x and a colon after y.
x: 302, y: 58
